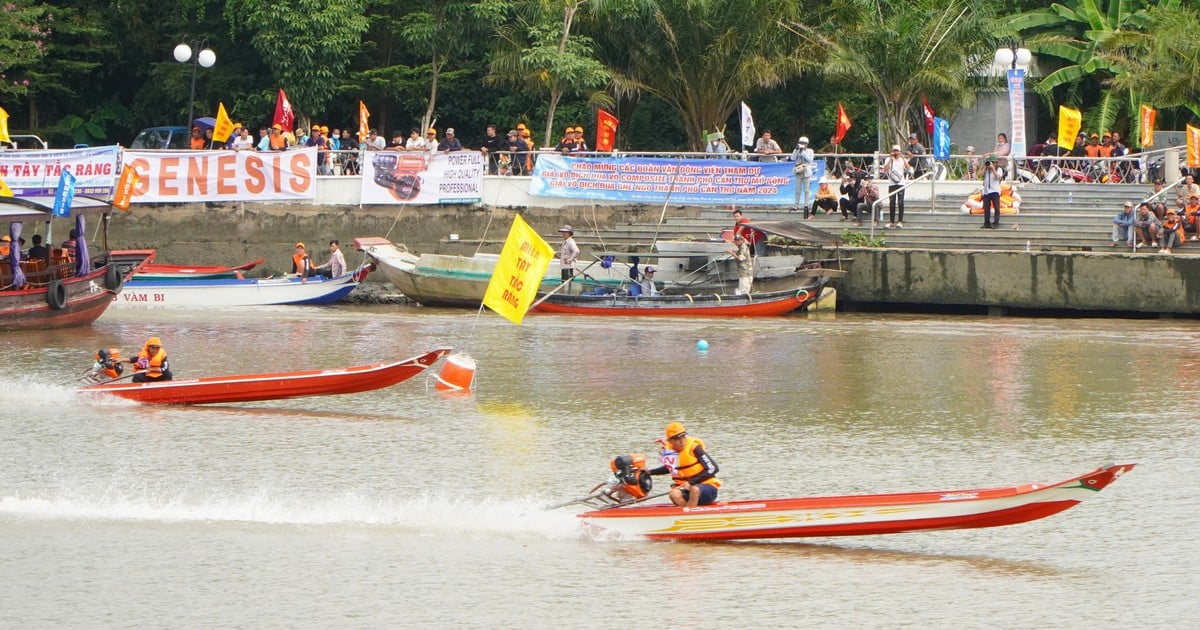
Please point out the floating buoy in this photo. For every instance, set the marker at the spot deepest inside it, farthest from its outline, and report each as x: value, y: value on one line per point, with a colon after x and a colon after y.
x: 702, y: 345
x: 458, y: 373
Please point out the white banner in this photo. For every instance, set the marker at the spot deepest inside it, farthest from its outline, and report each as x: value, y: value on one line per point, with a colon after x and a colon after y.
x: 747, y: 126
x: 198, y: 176
x: 417, y: 177
x: 36, y: 173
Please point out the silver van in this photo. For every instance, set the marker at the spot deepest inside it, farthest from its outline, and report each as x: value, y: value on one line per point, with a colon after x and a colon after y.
x: 163, y: 138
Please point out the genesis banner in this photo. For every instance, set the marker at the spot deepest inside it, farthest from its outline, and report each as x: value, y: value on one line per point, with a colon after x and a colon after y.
x: 198, y: 176
x: 420, y: 178
x: 696, y: 181
x: 37, y: 173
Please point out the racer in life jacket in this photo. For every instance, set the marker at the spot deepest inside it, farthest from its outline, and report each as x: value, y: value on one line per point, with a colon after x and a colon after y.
x: 108, y: 365
x: 151, y: 363
x: 694, y: 476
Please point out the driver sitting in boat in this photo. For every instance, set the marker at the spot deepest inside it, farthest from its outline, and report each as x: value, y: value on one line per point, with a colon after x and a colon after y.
x: 151, y: 363
x: 694, y: 476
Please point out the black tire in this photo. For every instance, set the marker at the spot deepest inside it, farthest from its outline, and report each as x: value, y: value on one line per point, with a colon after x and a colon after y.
x: 112, y: 278
x: 56, y: 295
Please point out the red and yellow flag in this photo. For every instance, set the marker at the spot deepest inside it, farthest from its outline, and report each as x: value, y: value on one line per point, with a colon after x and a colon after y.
x: 519, y: 272
x: 1193, y: 147
x: 224, y: 126
x: 129, y: 181
x: 364, y: 128
x: 1147, y: 125
x: 606, y: 130
x: 843, y: 125
x: 1069, y: 121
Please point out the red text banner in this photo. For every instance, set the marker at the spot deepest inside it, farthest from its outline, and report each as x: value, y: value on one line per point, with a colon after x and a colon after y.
x: 36, y: 173
x: 197, y: 176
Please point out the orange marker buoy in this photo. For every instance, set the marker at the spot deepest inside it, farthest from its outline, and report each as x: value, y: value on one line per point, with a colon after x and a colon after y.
x: 458, y: 373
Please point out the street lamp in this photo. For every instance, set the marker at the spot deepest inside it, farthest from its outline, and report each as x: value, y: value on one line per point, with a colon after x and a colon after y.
x: 1013, y: 57
x: 204, y: 57
x: 1015, y: 60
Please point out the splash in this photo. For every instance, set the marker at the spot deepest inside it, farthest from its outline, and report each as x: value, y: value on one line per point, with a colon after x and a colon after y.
x: 30, y: 393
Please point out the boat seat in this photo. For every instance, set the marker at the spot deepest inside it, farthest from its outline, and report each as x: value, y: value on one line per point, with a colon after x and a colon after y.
x: 62, y: 267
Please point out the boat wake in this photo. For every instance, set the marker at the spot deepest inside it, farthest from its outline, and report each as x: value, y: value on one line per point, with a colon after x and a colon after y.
x: 428, y: 515
x: 30, y: 392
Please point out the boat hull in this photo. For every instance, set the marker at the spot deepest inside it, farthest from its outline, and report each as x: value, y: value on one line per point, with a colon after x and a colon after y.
x: 276, y: 386
x: 86, y: 299
x: 712, y: 305
x: 854, y: 515
x: 167, y: 272
x: 234, y: 292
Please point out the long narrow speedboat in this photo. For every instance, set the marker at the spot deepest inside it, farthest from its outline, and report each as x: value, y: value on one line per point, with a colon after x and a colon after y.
x: 254, y: 387
x: 706, y: 305
x: 163, y: 271
x: 854, y: 515
x: 235, y: 292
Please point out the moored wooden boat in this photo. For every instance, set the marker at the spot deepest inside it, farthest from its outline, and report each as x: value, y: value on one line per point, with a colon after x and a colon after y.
x: 274, y: 386
x: 701, y: 305
x: 163, y: 271
x: 235, y: 292
x: 854, y: 515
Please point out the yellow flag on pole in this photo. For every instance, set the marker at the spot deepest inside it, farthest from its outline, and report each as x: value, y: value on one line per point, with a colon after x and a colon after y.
x: 520, y: 271
x: 1069, y: 121
x: 1147, y: 125
x: 223, y: 126
x: 128, y: 182
x: 5, y: 191
x: 4, y: 126
x: 1193, y: 147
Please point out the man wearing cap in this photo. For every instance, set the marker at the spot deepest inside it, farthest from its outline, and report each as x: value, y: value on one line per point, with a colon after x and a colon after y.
x: 992, y: 176
x: 197, y: 141
x: 804, y: 158
x: 151, y: 363
x: 1172, y: 234
x: 1191, y: 215
x: 302, y: 264
x: 1123, y: 225
x: 276, y: 141
x: 451, y: 142
x: 516, y: 151
x: 567, y: 145
x: 745, y: 263
x: 647, y: 281
x: 694, y: 476
x: 568, y: 253
x: 580, y: 144
x: 431, y: 141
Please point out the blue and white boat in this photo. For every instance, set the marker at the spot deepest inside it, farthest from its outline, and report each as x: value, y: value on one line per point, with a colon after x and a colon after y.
x: 237, y: 292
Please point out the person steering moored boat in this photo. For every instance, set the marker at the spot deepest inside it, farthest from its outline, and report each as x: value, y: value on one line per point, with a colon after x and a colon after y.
x: 694, y: 476
x: 151, y: 363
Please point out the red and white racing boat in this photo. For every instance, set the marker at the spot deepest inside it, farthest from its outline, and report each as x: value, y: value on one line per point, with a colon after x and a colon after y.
x: 626, y: 515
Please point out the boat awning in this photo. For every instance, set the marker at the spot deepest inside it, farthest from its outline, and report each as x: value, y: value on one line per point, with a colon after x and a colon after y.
x: 39, y: 208
x: 797, y: 231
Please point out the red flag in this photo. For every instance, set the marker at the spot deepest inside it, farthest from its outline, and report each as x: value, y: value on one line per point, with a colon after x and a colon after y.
x: 606, y: 130
x: 843, y: 125
x: 284, y: 116
x: 928, y: 115
x: 1147, y: 125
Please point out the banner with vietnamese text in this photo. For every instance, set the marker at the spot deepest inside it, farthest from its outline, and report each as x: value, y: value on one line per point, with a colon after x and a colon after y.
x: 199, y: 176
x: 519, y: 272
x: 37, y: 173
x: 420, y: 178
x: 698, y: 181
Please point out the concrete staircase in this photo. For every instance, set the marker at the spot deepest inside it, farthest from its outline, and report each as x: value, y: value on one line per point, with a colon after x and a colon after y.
x: 1053, y: 217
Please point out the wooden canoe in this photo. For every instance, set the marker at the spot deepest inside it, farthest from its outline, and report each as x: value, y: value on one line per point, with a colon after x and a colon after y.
x: 705, y: 305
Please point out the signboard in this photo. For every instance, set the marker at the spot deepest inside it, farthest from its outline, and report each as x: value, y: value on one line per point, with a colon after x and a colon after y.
x: 418, y: 177
x: 37, y: 173
x: 199, y: 176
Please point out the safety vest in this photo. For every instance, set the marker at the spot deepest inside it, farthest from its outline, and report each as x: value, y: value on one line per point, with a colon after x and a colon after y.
x: 301, y: 264
x: 688, y: 466
x: 156, y: 362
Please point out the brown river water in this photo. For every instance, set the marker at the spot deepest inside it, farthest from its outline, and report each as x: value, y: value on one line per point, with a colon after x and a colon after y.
x: 409, y: 508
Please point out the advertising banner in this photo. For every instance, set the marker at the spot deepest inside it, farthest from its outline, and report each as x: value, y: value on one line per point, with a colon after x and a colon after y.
x: 697, y: 181
x: 198, y: 176
x: 1016, y: 110
x: 37, y: 173
x: 420, y: 178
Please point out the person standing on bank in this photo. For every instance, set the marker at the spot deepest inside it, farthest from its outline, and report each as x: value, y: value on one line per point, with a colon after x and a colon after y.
x: 568, y: 253
x: 895, y: 167
x: 992, y: 176
x: 695, y: 473
x: 745, y: 264
x: 804, y: 158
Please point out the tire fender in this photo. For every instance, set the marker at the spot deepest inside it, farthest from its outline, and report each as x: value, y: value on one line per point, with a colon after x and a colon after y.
x: 112, y: 278
x: 56, y: 295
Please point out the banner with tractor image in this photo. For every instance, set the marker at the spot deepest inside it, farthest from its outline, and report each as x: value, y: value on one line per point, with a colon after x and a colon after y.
x: 420, y: 178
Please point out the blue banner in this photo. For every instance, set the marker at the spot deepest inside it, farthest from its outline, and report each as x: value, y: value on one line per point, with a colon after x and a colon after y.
x: 65, y: 195
x: 688, y: 180
x: 941, y: 139
x: 1016, y: 111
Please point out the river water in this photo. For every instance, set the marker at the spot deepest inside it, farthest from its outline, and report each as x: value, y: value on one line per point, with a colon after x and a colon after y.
x: 409, y: 508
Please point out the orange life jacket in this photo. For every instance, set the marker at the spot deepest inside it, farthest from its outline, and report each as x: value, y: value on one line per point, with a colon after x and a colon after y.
x: 688, y: 466
x: 301, y: 264
x: 156, y: 362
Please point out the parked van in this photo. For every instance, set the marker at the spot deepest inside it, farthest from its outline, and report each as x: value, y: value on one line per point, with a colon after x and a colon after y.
x: 162, y: 138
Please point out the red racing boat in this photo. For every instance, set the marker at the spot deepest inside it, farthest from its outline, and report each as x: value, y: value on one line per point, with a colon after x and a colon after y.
x: 253, y: 387
x: 706, y: 305
x: 621, y: 510
x: 163, y: 271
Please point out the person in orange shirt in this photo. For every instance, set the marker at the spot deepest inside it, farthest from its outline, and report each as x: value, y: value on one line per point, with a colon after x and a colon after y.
x: 1172, y: 234
x: 198, y: 142
x: 1093, y: 146
x: 302, y: 264
x: 1190, y: 210
x: 5, y: 246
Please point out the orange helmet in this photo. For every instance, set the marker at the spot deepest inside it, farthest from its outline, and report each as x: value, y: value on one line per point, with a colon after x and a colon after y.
x: 675, y: 429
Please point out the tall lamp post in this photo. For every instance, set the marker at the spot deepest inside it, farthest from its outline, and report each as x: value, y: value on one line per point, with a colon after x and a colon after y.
x: 1015, y: 61
x: 203, y: 57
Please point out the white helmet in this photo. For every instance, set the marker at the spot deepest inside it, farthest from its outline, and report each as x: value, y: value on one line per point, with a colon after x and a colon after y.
x: 803, y: 139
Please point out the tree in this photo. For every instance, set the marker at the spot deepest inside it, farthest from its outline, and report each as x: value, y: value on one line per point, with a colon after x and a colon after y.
x: 307, y: 44
x: 901, y: 50
x: 1160, y: 60
x: 24, y: 28
x: 702, y: 57
x: 1078, y: 32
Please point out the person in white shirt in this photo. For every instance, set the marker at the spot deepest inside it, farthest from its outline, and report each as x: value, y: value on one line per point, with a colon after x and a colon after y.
x: 895, y: 168
x: 431, y: 141
x: 336, y: 263
x: 647, y: 282
x: 415, y: 141
x: 243, y: 140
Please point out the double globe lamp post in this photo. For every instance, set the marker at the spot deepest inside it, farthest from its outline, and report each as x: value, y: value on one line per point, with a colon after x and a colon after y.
x: 203, y: 57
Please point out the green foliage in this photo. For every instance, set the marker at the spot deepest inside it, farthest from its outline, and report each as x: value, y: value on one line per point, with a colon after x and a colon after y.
x: 24, y: 28
x: 307, y: 44
x: 851, y: 238
x: 1161, y: 59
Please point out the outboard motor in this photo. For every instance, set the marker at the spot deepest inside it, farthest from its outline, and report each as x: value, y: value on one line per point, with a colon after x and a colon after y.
x: 630, y: 471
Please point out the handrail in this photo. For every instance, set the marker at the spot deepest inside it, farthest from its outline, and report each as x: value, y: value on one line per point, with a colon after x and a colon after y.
x: 891, y: 193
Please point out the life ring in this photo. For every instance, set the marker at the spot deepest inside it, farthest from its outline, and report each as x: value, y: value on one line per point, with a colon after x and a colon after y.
x: 802, y: 295
x: 56, y: 295
x: 112, y: 278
